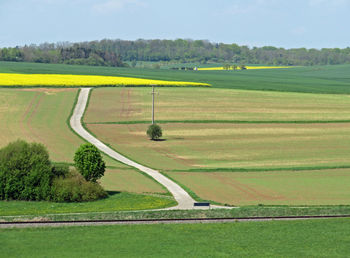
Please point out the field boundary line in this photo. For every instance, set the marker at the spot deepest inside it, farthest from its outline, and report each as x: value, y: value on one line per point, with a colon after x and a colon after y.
x: 161, y: 221
x: 184, y: 200
x: 247, y: 170
x: 226, y: 122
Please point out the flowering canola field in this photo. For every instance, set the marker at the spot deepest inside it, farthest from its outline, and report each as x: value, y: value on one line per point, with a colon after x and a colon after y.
x: 238, y: 68
x: 13, y: 79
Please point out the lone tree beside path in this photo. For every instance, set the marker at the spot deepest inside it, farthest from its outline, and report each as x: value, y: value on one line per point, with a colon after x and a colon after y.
x: 88, y: 161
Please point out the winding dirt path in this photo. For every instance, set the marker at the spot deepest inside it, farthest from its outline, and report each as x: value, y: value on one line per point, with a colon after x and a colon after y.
x: 184, y: 200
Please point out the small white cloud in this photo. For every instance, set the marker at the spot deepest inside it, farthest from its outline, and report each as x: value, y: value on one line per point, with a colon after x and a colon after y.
x: 115, y: 5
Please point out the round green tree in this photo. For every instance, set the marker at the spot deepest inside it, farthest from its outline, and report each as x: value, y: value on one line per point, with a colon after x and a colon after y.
x: 154, y: 132
x: 88, y: 161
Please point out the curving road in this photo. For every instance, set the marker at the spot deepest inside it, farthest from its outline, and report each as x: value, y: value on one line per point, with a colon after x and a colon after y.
x: 184, y: 200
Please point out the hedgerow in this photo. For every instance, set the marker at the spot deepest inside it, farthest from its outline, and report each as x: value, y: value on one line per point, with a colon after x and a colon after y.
x: 26, y: 173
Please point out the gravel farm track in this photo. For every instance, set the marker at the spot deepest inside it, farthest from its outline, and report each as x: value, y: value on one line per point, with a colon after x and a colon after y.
x: 24, y: 224
x: 185, y: 201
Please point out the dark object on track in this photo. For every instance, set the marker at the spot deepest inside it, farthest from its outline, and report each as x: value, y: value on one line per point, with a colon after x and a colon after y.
x: 201, y: 204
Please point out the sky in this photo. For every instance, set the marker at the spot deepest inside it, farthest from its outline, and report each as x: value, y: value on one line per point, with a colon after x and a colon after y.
x: 280, y: 23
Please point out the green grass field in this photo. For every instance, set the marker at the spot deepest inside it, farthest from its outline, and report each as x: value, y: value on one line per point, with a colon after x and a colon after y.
x: 130, y: 180
x: 313, y: 79
x: 115, y: 202
x: 309, y: 238
x: 40, y: 115
x: 216, y: 146
x: 241, y: 212
x: 315, y: 187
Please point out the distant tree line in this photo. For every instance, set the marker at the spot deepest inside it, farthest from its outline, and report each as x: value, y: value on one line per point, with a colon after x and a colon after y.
x: 114, y: 52
x: 61, y: 53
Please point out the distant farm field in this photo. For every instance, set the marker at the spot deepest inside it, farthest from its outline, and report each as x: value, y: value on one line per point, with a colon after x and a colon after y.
x: 198, y: 104
x: 214, y: 128
x: 218, y: 68
x: 314, y: 187
x: 68, y: 80
x: 313, y: 79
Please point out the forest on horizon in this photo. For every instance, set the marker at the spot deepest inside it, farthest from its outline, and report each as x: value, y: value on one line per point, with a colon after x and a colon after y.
x: 116, y: 52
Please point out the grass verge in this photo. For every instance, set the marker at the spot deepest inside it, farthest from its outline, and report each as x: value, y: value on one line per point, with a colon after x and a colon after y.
x: 117, y: 201
x: 239, y: 212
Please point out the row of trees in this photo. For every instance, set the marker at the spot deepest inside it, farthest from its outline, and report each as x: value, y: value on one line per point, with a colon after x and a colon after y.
x: 112, y: 52
x: 67, y: 54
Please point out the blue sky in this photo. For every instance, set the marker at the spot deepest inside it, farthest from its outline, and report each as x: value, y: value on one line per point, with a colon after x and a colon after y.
x: 281, y: 23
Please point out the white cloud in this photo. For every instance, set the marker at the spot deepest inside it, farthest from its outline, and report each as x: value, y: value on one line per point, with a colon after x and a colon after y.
x: 116, y: 5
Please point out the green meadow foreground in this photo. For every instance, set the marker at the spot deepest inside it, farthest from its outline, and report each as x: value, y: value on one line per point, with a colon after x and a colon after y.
x: 309, y: 238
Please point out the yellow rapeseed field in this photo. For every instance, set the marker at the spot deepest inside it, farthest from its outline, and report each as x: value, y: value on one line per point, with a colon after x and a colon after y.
x: 13, y: 79
x: 238, y: 68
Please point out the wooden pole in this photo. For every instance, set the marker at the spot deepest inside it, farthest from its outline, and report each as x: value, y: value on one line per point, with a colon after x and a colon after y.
x: 153, y: 104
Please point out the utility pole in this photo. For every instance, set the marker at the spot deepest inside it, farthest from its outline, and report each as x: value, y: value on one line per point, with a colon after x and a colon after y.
x: 153, y: 92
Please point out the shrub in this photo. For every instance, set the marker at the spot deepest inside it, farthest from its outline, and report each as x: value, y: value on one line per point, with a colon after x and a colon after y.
x: 74, y: 188
x: 89, y: 162
x: 154, y: 132
x: 25, y: 172
x: 60, y: 170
